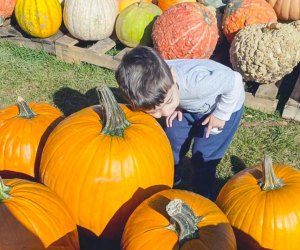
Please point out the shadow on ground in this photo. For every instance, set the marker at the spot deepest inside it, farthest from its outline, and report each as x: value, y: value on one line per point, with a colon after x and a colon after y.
x: 70, y: 100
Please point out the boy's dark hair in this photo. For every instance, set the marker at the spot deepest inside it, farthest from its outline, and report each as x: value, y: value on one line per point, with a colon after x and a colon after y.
x: 144, y: 78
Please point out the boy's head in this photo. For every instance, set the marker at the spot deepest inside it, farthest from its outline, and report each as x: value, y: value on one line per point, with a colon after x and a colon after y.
x: 144, y: 78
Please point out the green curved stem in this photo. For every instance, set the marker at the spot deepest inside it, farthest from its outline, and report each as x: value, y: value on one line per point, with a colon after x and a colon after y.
x: 114, y: 120
x: 183, y: 220
x: 24, y: 110
x: 4, y: 191
x: 269, y: 181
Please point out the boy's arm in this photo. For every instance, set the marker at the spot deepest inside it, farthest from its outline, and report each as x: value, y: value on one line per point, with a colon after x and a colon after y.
x: 228, y: 100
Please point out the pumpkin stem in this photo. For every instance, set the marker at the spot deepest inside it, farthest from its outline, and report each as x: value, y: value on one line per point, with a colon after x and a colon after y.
x: 183, y: 220
x: 269, y: 181
x: 24, y: 110
x: 114, y: 120
x: 4, y: 191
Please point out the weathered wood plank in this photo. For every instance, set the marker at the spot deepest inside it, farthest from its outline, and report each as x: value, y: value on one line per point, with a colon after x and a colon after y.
x: 268, y: 91
x: 265, y: 105
x: 102, y: 46
x: 291, y: 112
x: 120, y: 55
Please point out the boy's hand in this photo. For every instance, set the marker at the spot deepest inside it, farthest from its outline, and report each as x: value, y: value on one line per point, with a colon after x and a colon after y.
x: 212, y: 122
x: 169, y: 119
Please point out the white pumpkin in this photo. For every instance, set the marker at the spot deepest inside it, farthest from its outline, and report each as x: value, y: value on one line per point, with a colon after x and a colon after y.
x: 90, y: 20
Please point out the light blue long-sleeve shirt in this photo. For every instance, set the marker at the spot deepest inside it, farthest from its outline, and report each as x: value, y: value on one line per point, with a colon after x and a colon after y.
x: 206, y: 86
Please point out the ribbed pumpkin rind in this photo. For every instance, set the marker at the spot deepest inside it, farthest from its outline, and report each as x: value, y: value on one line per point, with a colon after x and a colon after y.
x: 39, y: 18
x: 185, y: 30
x: 92, y: 20
x: 106, y: 175
x: 265, y: 219
x: 147, y: 225
x: 286, y: 10
x: 39, y: 215
x: 134, y: 24
x: 20, y: 138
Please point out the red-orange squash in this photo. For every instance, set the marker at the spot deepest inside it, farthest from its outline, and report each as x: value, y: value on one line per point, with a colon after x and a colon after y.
x: 286, y: 10
x: 34, y: 217
x: 176, y: 219
x: 185, y: 30
x: 23, y: 131
x: 165, y: 4
x: 240, y: 13
x: 103, y: 161
x: 6, y: 9
x: 263, y: 206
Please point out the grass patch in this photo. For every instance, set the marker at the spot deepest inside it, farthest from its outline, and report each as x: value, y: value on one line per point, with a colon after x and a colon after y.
x: 38, y: 76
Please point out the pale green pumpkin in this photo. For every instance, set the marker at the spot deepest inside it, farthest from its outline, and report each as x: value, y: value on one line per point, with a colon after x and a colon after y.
x: 134, y: 23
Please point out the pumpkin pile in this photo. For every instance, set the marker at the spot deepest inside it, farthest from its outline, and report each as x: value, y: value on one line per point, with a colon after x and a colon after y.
x: 107, y: 172
x: 178, y: 29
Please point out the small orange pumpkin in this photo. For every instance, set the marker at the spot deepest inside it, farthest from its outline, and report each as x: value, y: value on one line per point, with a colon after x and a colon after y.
x: 23, y: 131
x: 165, y: 4
x: 240, y: 13
x: 6, y: 9
x: 178, y: 219
x: 34, y: 217
x: 263, y: 206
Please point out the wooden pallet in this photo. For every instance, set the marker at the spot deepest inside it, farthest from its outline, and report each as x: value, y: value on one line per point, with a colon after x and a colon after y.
x: 67, y: 48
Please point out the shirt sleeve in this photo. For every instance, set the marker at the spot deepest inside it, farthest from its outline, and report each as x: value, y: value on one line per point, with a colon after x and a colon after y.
x: 228, y: 100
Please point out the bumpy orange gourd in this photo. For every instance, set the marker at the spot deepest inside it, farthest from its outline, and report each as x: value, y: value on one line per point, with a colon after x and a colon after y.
x: 23, y: 131
x: 185, y: 30
x: 6, y: 9
x: 176, y: 219
x: 39, y: 18
x: 240, y: 13
x: 286, y: 10
x: 165, y: 4
x: 125, y: 3
x: 34, y: 217
x: 263, y: 206
x: 103, y: 161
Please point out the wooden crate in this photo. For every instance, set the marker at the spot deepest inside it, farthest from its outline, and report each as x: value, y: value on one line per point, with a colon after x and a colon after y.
x: 67, y: 48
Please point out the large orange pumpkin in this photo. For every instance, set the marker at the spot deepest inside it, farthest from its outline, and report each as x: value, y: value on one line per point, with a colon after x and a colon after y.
x: 240, y: 13
x: 165, y: 4
x: 23, y: 131
x: 263, y: 206
x: 286, y: 10
x: 176, y: 219
x: 6, y: 9
x: 103, y: 161
x: 34, y: 217
x: 185, y: 30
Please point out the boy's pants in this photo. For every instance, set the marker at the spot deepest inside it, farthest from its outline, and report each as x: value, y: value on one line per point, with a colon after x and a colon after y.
x: 206, y: 152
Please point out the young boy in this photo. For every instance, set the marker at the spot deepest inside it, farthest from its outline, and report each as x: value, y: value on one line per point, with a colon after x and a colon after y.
x: 202, y: 100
